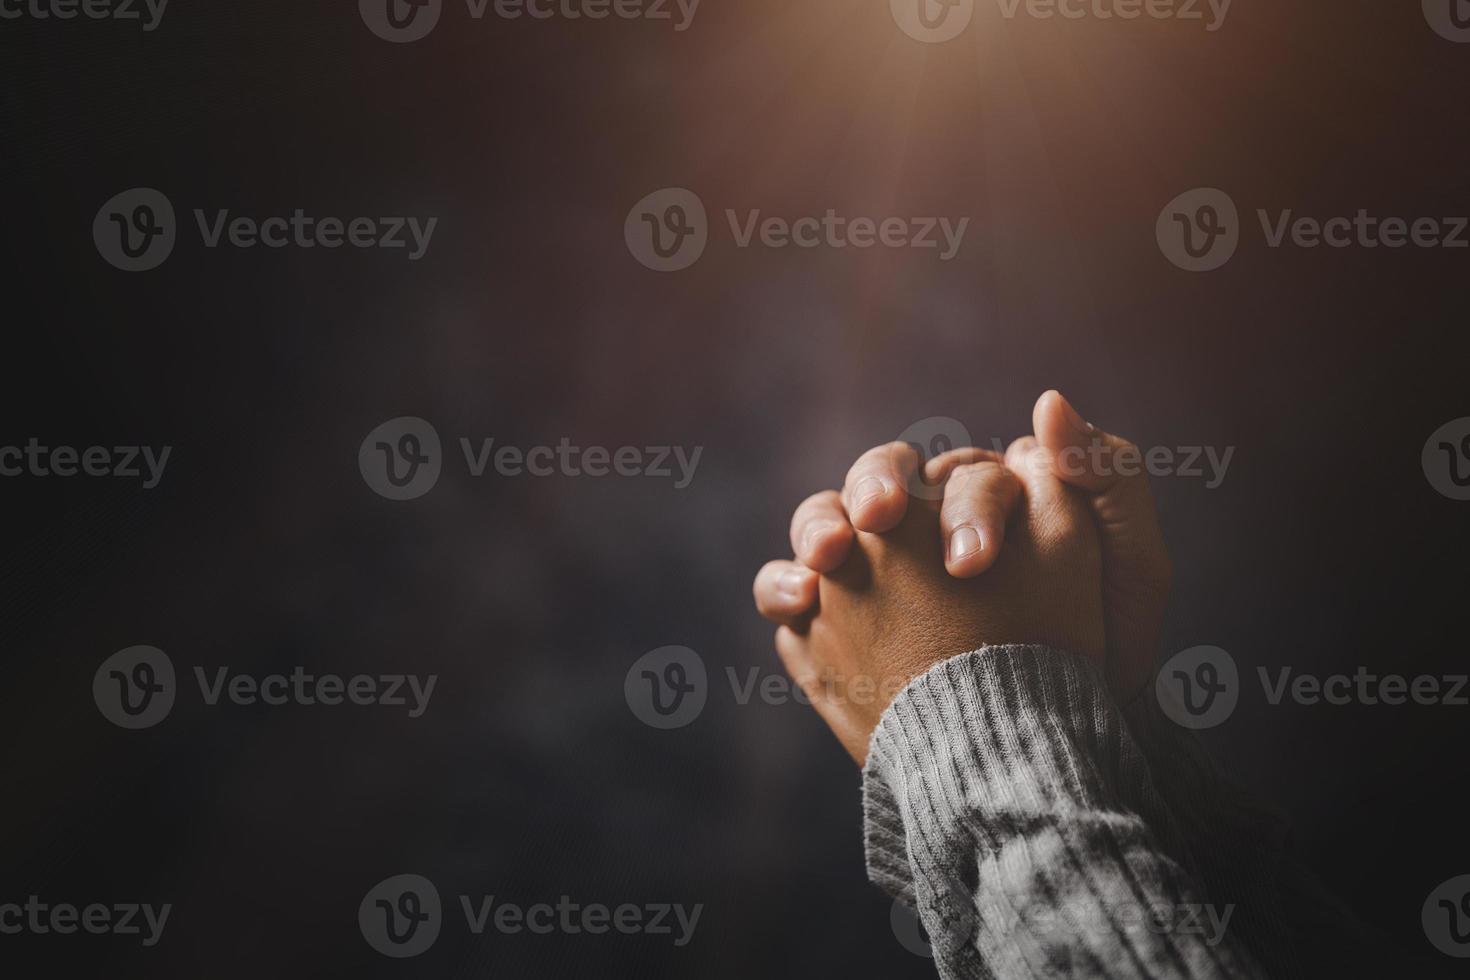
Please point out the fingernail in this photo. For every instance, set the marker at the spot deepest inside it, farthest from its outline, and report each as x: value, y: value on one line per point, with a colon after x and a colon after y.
x: 868, y: 489
x: 964, y: 542
x: 790, y: 584
x: 1075, y: 420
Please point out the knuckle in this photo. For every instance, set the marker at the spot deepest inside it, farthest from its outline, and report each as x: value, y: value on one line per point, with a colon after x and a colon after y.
x: 897, y: 446
x: 965, y: 472
x: 978, y: 472
x: 899, y: 455
x: 985, y: 485
x: 941, y: 467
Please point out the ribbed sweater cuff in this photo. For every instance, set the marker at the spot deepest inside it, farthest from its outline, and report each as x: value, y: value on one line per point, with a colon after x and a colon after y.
x: 993, y: 734
x: 1006, y: 801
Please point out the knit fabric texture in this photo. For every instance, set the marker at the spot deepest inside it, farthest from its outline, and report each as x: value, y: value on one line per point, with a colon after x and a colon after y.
x: 1039, y: 831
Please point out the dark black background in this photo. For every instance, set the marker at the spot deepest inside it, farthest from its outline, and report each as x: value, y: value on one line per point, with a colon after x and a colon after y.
x: 528, y: 321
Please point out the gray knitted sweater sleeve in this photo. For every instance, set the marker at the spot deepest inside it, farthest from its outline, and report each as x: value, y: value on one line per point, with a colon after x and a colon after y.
x: 1011, y: 804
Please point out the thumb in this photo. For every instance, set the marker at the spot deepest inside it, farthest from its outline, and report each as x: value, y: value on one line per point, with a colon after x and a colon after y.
x: 1136, y: 567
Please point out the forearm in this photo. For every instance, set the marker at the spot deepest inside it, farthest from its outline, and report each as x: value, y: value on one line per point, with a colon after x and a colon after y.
x: 1006, y: 799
